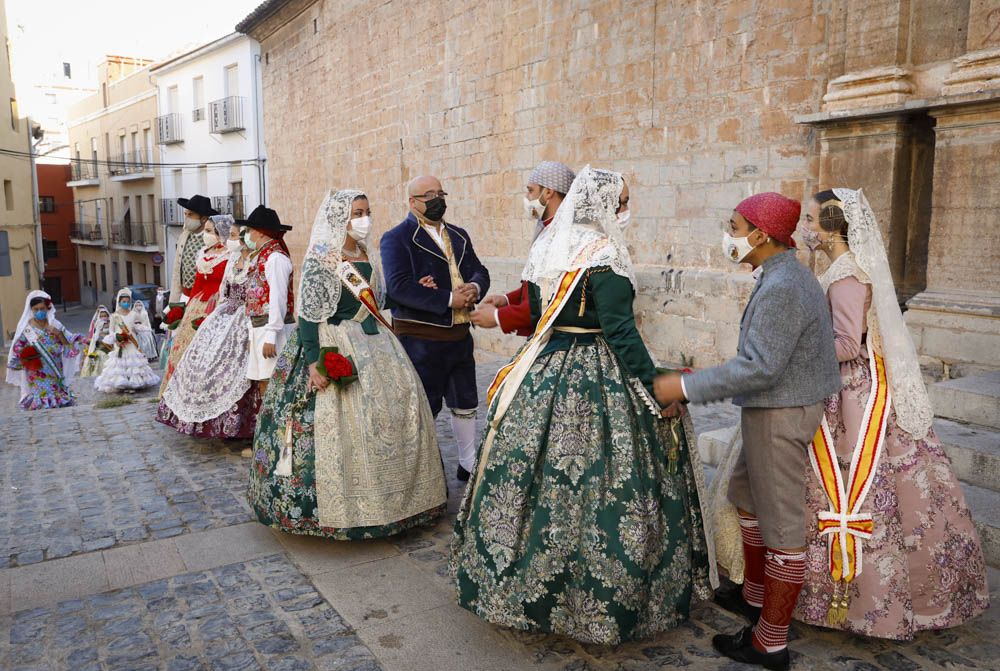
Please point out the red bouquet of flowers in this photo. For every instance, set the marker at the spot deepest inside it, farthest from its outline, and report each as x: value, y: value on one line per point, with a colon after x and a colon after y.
x: 30, y: 358
x: 334, y: 365
x: 174, y: 315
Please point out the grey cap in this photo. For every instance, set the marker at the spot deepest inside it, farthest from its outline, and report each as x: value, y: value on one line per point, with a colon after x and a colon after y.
x: 552, y: 175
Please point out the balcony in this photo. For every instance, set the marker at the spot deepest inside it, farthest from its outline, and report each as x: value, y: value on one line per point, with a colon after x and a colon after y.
x: 226, y: 115
x: 168, y: 129
x: 132, y: 166
x: 87, y: 234
x: 198, y: 114
x: 137, y: 236
x: 83, y: 174
x: 171, y: 213
x: 234, y: 205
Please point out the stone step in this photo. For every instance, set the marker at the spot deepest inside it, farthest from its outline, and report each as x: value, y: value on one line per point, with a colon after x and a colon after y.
x: 985, y: 506
x: 974, y: 452
x: 712, y: 445
x: 974, y: 399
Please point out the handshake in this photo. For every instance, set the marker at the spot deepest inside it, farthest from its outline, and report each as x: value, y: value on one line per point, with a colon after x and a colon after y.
x: 463, y: 297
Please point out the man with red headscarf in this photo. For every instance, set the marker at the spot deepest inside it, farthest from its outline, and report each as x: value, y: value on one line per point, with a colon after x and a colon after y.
x: 270, y: 303
x: 784, y: 367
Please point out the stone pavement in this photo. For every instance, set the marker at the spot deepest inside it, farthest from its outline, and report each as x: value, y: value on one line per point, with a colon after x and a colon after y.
x: 127, y: 546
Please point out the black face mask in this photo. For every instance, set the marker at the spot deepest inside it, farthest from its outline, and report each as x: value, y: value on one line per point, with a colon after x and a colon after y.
x: 435, y: 209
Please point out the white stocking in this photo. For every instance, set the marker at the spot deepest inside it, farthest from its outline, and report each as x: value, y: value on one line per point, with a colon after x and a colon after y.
x: 464, y: 427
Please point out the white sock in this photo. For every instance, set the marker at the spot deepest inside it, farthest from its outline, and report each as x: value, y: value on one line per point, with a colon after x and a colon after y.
x: 464, y: 428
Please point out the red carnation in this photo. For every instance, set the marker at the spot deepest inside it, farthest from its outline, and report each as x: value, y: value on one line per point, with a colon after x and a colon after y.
x: 337, y: 366
x: 174, y: 314
x: 30, y: 358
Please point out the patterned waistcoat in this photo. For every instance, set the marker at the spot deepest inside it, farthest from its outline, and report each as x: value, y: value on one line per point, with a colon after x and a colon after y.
x: 258, y: 290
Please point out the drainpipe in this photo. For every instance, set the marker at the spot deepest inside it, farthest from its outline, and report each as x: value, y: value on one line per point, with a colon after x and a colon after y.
x: 258, y: 114
x: 35, y: 214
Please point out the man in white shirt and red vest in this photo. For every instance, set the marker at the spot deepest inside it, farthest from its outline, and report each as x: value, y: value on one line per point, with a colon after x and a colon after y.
x: 270, y: 301
x: 547, y: 185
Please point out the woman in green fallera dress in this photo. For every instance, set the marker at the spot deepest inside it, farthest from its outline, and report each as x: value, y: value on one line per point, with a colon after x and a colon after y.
x: 582, y: 516
x: 351, y: 461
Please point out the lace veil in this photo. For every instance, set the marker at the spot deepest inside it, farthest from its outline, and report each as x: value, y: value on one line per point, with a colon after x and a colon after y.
x: 584, y: 233
x: 909, y: 395
x: 320, y: 285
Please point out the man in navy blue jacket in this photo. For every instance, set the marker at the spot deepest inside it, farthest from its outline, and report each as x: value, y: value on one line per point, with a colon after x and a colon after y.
x: 434, y: 278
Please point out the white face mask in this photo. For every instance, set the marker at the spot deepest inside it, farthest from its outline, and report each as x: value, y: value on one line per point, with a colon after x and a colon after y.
x: 359, y: 228
x: 233, y: 245
x: 736, y: 249
x: 533, y: 208
x: 211, y: 239
x: 192, y: 224
x: 624, y: 218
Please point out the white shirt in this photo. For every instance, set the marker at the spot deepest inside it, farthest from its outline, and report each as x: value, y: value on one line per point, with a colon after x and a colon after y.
x: 277, y: 271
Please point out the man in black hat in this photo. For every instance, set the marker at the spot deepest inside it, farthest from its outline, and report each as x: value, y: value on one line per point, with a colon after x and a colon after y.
x: 270, y: 301
x: 197, y: 210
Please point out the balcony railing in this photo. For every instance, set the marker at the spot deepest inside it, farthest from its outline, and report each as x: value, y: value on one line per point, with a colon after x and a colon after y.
x: 198, y: 114
x: 86, y: 232
x: 234, y: 205
x: 226, y: 114
x: 171, y: 213
x: 81, y: 171
x: 131, y: 163
x: 138, y: 234
x: 168, y: 129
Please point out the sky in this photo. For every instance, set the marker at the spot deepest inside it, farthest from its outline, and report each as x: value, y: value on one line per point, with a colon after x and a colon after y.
x: 45, y: 33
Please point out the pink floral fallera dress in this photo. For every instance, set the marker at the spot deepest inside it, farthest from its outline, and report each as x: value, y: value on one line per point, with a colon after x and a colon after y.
x: 924, y: 566
x: 46, y: 387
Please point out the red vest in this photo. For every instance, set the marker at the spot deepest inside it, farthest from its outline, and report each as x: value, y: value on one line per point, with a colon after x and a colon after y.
x: 258, y: 290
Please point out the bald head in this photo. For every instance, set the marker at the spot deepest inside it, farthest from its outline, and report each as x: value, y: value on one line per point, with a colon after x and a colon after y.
x: 423, y: 190
x: 418, y: 186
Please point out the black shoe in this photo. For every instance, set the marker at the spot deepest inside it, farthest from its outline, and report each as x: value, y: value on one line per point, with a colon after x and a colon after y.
x: 731, y: 598
x: 462, y: 475
x: 739, y: 647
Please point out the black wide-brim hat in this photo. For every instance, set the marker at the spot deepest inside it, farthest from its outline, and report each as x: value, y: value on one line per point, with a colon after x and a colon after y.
x: 264, y: 219
x: 198, y: 204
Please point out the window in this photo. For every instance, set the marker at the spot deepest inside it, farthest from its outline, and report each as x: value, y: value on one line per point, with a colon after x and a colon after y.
x: 93, y: 153
x: 128, y: 272
x: 173, y: 100
x: 152, y: 208
x: 4, y: 255
x: 46, y: 204
x: 104, y: 278
x: 115, y: 276
x: 136, y: 148
x: 232, y: 80
x: 67, y: 71
x: 198, y: 96
x: 147, y: 142
x: 13, y: 114
x: 156, y: 275
x: 93, y: 274
x: 27, y: 275
x: 8, y: 193
x: 50, y: 249
x: 138, y: 212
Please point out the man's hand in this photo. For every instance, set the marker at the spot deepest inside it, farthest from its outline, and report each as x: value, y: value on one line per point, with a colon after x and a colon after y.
x: 464, y: 297
x: 471, y: 288
x: 317, y: 381
x: 484, y: 316
x: 269, y: 351
x: 496, y: 300
x: 667, y: 388
x: 427, y: 281
x: 675, y: 409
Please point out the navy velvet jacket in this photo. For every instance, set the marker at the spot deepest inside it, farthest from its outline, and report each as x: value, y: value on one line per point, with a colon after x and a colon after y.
x: 409, y: 253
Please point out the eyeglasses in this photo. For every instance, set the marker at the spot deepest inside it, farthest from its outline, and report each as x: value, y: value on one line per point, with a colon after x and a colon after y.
x: 431, y: 195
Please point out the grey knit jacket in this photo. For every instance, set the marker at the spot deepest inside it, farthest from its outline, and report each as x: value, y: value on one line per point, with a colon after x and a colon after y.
x: 785, y: 356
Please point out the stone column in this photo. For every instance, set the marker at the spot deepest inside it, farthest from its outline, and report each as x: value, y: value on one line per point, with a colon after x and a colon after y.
x: 956, y: 320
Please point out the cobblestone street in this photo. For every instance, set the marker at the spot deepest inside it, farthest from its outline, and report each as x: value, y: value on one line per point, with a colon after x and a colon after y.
x: 126, y: 546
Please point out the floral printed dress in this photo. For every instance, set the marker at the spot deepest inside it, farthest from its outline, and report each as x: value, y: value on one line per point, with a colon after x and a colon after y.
x: 46, y: 386
x: 584, y: 519
x: 923, y: 568
x: 365, y: 459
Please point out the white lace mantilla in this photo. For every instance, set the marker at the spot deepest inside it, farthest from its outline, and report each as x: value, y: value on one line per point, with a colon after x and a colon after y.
x: 914, y: 413
x: 584, y: 220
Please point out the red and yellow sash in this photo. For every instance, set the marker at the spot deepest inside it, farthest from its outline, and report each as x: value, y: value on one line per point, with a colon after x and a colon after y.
x: 355, y: 282
x: 844, y: 524
x: 563, y: 291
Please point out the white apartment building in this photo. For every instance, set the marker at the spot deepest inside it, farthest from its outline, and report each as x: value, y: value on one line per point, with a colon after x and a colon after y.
x: 209, y: 130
